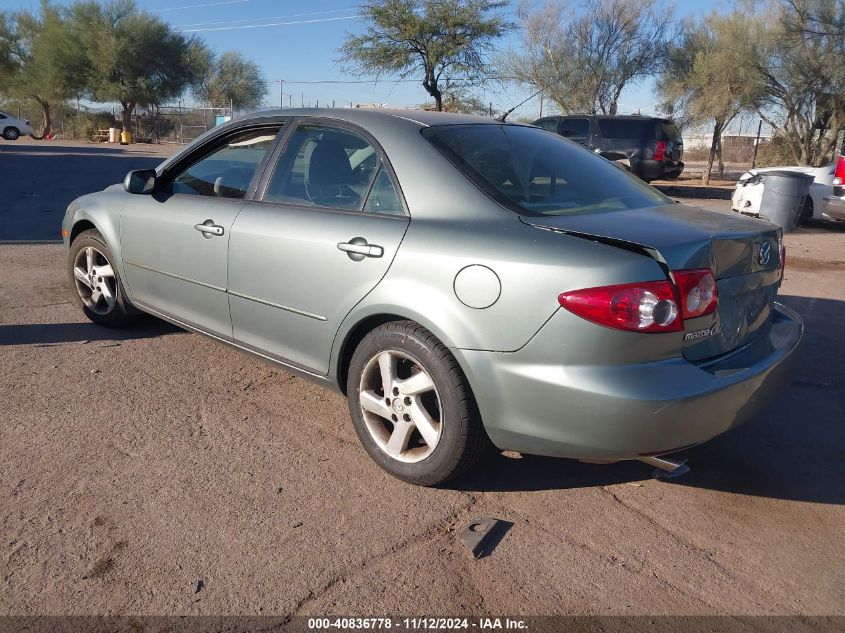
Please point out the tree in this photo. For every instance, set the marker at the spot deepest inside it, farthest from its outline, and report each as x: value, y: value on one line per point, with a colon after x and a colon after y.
x: 6, y: 39
x: 794, y: 54
x: 704, y: 79
x: 584, y: 61
x: 233, y: 79
x: 42, y: 61
x: 440, y: 40
x: 134, y: 57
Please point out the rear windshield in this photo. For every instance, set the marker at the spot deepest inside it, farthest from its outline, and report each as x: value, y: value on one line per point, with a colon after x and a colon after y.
x: 626, y: 128
x: 532, y: 172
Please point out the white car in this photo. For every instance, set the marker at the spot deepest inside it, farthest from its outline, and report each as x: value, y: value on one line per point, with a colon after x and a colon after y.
x: 749, y: 191
x: 12, y: 127
x: 834, y: 206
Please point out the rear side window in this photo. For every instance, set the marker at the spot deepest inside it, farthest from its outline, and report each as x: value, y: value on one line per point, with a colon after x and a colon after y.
x: 324, y: 166
x: 383, y: 197
x: 627, y: 129
x: 669, y: 132
x: 574, y: 128
x: 547, y: 124
x: 534, y: 173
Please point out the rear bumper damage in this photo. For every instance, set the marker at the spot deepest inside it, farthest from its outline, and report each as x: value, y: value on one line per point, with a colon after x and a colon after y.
x: 532, y: 403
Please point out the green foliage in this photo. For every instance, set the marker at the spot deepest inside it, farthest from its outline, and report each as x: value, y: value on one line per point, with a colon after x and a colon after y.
x: 437, y: 40
x: 233, y: 79
x: 584, y: 60
x: 776, y: 153
x: 42, y: 61
x: 706, y: 80
x: 794, y: 54
x: 134, y: 58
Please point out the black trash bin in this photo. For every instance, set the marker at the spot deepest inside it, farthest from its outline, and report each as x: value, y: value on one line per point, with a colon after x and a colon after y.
x: 783, y: 197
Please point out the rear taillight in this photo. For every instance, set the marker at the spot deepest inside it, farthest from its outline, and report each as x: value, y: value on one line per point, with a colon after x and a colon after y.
x: 650, y: 306
x: 660, y: 150
x: 698, y: 292
x: 839, y: 174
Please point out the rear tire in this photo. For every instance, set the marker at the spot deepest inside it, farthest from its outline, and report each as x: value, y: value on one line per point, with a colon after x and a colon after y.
x: 806, y: 211
x: 11, y: 133
x: 423, y: 427
x: 95, y: 282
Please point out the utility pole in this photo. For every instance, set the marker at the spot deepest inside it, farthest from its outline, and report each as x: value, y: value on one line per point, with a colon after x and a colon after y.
x: 756, y: 144
x: 541, y: 105
x: 281, y: 93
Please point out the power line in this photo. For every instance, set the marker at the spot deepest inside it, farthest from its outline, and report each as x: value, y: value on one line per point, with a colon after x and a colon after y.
x: 199, y: 6
x: 258, y: 26
x: 278, y: 17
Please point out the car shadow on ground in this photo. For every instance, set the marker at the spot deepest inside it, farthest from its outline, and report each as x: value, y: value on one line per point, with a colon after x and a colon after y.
x: 59, y: 333
x: 793, y: 450
x: 39, y: 182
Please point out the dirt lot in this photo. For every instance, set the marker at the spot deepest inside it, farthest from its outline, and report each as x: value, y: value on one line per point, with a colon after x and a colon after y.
x: 135, y: 464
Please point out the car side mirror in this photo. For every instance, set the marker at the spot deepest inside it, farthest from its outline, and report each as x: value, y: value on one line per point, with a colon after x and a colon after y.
x: 140, y: 181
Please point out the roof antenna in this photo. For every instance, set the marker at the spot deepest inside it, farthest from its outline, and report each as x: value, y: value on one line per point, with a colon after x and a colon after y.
x: 501, y: 119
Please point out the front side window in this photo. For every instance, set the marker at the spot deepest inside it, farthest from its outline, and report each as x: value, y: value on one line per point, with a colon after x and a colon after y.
x: 534, y: 173
x: 228, y: 170
x: 324, y: 166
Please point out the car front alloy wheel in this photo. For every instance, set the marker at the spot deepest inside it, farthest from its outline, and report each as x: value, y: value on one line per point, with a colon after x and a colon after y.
x: 95, y: 282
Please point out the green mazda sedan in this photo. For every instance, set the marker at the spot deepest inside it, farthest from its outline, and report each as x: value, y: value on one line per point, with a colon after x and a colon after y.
x: 462, y: 280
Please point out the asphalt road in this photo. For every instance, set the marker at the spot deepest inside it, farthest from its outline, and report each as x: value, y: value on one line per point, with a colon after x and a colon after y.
x: 134, y: 464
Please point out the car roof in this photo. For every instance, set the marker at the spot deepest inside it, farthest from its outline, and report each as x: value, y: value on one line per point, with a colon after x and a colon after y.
x: 424, y: 118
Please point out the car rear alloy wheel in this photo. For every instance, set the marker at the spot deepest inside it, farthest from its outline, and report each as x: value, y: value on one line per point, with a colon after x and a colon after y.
x: 411, y: 405
x: 96, y: 283
x: 401, y: 406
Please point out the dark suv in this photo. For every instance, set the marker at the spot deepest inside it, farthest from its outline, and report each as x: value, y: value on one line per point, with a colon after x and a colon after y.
x: 651, y: 148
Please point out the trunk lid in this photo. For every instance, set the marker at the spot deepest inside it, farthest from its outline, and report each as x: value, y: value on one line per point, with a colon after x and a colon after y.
x: 743, y: 253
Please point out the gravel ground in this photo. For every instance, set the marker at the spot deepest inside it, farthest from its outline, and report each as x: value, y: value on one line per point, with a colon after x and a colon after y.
x: 152, y: 471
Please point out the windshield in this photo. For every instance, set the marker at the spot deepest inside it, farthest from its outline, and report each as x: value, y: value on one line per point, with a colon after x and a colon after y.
x: 534, y: 172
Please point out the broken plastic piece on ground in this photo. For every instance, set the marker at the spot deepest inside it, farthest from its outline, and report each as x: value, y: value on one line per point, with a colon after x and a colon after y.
x: 483, y: 534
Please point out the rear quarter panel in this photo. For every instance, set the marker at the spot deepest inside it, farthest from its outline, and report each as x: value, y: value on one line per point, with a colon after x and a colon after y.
x: 533, y: 267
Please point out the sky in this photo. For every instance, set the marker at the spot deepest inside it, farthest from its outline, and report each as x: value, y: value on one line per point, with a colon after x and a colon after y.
x: 297, y: 42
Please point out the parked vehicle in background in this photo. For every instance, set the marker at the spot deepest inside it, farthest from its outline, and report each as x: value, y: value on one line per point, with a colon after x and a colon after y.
x: 11, y: 127
x: 749, y: 191
x: 834, y: 206
x: 648, y: 147
x: 460, y: 279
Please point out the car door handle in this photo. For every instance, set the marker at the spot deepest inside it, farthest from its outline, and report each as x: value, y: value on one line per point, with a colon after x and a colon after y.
x: 357, y: 249
x: 209, y: 229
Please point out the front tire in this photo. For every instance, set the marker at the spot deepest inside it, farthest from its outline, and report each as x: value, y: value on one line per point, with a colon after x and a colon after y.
x: 412, y: 407
x: 11, y: 133
x: 95, y: 282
